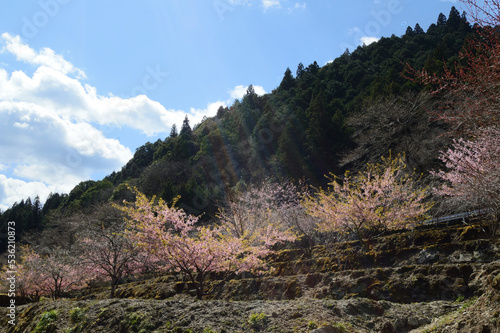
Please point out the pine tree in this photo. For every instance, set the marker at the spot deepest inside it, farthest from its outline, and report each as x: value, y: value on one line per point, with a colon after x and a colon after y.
x: 453, y: 19
x: 288, y: 81
x: 186, y: 130
x: 300, y: 71
x: 173, y: 131
x: 409, y: 32
x: 418, y: 30
x: 441, y: 22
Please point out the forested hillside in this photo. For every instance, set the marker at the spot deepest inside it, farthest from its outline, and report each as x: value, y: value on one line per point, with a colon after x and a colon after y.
x: 313, y: 208
x: 320, y: 119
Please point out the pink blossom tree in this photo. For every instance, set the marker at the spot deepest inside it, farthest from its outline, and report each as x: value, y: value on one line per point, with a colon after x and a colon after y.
x: 30, y: 283
x: 381, y: 198
x: 294, y: 215
x: 108, y: 253
x: 63, y: 273
x: 469, y: 87
x: 473, y: 173
x: 171, y: 236
x: 484, y: 13
x: 51, y: 274
x: 261, y: 214
x: 471, y: 106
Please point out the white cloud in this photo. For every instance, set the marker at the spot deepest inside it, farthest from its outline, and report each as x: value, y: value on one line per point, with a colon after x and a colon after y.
x: 49, y: 141
x: 21, y: 125
x: 46, y: 57
x: 270, y: 3
x: 296, y: 6
x: 51, y: 152
x: 368, y: 40
x: 239, y: 91
x: 70, y: 98
x: 239, y: 2
x: 12, y: 190
x: 267, y: 4
x: 49, y: 138
x: 358, y: 36
x: 196, y: 115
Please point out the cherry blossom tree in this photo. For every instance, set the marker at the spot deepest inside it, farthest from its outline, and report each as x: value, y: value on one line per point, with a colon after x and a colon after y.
x: 381, y: 198
x: 171, y: 236
x: 107, y: 253
x: 63, y: 273
x: 270, y: 213
x: 294, y: 215
x: 259, y: 213
x: 473, y: 173
x: 469, y: 87
x: 484, y: 13
x: 51, y: 274
x: 30, y: 283
x: 208, y: 250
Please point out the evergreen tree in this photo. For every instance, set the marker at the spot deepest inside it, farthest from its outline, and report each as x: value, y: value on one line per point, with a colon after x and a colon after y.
x: 288, y: 81
x: 186, y: 130
x: 418, y: 30
x: 37, y: 214
x: 300, y: 71
x: 464, y: 27
x: 432, y: 29
x: 313, y: 68
x: 173, y: 131
x: 221, y: 111
x: 441, y: 22
x: 409, y: 32
x: 319, y: 134
x: 454, y: 19
x: 185, y: 146
x: 27, y: 215
x: 291, y: 151
x: 53, y: 201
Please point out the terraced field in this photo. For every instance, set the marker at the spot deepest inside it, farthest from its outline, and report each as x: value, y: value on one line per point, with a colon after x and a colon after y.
x: 430, y: 280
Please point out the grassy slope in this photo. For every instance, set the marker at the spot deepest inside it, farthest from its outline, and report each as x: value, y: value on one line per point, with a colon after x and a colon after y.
x: 442, y: 278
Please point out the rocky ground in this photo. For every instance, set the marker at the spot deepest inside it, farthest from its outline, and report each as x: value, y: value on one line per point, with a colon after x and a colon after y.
x: 433, y: 280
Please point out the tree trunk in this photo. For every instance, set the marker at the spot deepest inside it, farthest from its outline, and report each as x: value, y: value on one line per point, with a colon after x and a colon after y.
x: 199, y: 285
x: 114, y: 283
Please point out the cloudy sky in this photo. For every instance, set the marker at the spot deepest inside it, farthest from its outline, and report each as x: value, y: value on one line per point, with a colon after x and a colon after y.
x: 83, y: 83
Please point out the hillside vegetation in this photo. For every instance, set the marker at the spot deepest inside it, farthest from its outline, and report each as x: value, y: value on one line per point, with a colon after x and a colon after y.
x: 309, y: 209
x: 320, y: 120
x: 434, y: 280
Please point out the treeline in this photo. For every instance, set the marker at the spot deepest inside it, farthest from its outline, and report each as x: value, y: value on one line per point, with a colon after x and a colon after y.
x: 311, y: 124
x: 28, y: 215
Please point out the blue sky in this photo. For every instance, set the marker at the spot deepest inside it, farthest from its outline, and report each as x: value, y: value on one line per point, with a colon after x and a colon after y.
x: 83, y: 83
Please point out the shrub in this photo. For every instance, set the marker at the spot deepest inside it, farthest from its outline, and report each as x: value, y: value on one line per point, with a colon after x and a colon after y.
x: 46, y: 323
x: 76, y: 315
x: 257, y: 321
